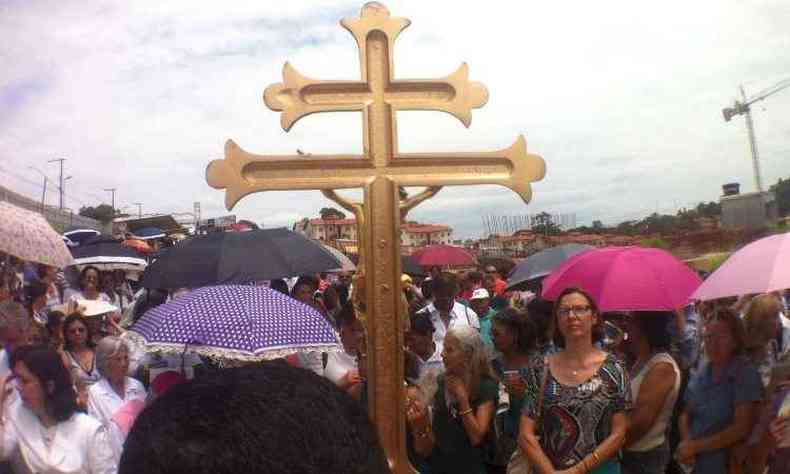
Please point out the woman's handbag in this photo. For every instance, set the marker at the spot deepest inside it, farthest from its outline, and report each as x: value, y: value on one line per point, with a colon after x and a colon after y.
x: 519, y: 463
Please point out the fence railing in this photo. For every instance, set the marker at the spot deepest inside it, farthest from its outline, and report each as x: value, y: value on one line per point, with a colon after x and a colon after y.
x: 61, y: 220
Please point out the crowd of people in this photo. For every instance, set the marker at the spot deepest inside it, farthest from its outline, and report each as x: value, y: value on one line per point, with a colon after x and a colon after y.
x: 496, y: 381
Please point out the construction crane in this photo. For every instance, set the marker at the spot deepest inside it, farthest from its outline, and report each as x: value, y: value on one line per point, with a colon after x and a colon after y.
x: 744, y: 108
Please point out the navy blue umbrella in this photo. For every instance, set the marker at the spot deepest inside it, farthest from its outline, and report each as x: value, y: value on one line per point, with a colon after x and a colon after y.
x: 529, y: 273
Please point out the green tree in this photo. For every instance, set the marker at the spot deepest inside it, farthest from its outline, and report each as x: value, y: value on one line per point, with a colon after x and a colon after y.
x: 103, y: 212
x: 597, y: 225
x: 782, y: 191
x: 544, y: 224
x: 331, y: 213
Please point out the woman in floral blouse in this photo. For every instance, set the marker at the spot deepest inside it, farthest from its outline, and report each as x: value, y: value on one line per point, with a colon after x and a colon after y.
x: 577, y: 423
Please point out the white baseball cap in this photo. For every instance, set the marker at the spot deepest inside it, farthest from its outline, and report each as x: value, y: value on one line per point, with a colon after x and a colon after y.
x: 479, y: 294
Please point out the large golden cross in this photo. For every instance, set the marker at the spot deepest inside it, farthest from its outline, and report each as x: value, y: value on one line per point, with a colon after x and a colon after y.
x: 379, y: 170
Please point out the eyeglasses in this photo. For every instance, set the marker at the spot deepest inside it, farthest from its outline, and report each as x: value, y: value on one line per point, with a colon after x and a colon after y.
x: 576, y: 310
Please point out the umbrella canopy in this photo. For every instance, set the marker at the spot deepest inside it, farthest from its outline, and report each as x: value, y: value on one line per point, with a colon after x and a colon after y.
x: 346, y: 265
x: 107, y: 254
x: 626, y: 279
x: 444, y: 255
x: 235, y: 322
x: 760, y: 267
x: 537, y: 266
x: 149, y: 233
x: 237, y: 257
x: 409, y: 266
x: 28, y: 236
x: 139, y: 245
x: 80, y: 236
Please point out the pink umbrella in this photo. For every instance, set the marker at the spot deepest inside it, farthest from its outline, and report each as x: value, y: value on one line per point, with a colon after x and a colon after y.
x: 442, y: 255
x: 760, y: 267
x: 28, y: 236
x: 626, y: 279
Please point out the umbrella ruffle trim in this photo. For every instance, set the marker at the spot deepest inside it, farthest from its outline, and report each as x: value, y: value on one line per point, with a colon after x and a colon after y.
x: 219, y: 354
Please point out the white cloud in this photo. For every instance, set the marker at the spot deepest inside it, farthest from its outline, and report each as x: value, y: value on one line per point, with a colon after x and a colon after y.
x: 623, y: 99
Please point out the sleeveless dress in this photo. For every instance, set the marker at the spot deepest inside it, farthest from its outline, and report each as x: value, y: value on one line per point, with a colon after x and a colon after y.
x: 88, y: 377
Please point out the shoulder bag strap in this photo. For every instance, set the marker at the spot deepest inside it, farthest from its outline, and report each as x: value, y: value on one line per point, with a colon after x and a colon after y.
x: 542, y: 391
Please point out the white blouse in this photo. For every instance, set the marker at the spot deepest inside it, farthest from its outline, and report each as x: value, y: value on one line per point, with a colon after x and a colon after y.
x: 78, y: 445
x: 104, y: 404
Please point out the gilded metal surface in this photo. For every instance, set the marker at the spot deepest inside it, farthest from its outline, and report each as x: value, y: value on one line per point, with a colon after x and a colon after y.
x: 380, y: 169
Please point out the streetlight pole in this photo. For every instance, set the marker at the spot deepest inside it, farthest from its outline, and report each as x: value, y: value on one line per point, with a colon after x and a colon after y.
x: 112, y: 190
x: 61, y: 160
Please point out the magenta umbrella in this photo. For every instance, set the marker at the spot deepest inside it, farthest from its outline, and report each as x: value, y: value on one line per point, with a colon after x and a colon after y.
x: 760, y: 267
x: 626, y: 279
x: 443, y: 255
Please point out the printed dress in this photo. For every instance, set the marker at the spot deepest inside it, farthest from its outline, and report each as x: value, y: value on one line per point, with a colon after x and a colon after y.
x: 576, y: 419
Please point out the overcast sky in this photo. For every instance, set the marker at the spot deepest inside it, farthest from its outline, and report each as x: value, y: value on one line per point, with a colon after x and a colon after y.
x: 623, y: 99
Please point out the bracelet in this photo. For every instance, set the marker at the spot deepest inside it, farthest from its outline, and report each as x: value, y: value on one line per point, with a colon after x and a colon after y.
x: 596, y: 458
x: 465, y: 412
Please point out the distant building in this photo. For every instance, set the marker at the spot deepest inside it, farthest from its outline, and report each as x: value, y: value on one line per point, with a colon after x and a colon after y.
x: 343, y: 233
x: 748, y: 211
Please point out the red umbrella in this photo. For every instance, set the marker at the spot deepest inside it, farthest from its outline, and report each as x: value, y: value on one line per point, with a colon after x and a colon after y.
x: 626, y: 279
x: 443, y: 255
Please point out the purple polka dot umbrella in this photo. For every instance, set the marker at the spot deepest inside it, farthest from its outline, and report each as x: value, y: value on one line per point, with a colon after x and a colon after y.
x: 233, y: 322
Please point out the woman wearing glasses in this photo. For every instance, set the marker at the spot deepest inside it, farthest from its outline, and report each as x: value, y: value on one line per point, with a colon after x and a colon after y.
x: 721, y: 398
x: 575, y: 409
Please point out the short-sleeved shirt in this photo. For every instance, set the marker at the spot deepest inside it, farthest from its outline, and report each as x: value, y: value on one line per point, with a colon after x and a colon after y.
x: 576, y: 419
x: 711, y: 406
x: 452, y: 451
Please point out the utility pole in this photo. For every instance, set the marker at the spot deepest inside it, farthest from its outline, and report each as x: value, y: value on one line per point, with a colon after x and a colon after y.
x: 139, y: 209
x: 61, y: 160
x: 112, y: 190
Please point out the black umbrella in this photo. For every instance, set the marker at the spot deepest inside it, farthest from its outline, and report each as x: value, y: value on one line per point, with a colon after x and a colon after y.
x: 529, y: 273
x: 237, y: 257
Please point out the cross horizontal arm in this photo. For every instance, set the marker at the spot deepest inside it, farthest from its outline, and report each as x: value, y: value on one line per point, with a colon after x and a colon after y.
x: 242, y: 173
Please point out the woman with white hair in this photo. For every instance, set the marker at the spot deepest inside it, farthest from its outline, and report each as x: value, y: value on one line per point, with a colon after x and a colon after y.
x: 450, y: 419
x: 115, y: 400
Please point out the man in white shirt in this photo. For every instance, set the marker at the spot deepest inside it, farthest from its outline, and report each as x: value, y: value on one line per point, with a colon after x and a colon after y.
x: 419, y: 341
x: 445, y: 311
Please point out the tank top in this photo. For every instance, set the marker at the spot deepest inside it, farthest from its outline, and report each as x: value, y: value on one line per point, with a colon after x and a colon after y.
x: 656, y: 435
x: 87, y: 377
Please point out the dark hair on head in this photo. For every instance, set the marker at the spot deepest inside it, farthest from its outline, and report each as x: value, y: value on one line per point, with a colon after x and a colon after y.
x: 444, y: 283
x: 654, y: 326
x: 347, y: 315
x: 305, y: 280
x: 35, y: 289
x: 86, y: 270
x: 342, y: 293
x: 597, y: 329
x: 60, y: 399
x: 54, y: 321
x: 265, y: 418
x: 521, y: 326
x: 421, y: 323
x: 476, y: 277
x: 734, y: 323
x: 76, y: 318
x: 541, y: 313
x: 280, y: 285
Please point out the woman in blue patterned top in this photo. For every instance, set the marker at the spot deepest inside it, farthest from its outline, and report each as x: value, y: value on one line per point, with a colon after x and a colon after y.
x: 578, y: 423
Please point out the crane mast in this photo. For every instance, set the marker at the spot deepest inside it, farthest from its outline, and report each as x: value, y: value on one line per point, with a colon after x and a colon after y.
x: 744, y: 108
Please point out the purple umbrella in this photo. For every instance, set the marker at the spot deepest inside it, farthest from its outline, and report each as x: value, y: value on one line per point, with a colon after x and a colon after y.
x: 232, y: 322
